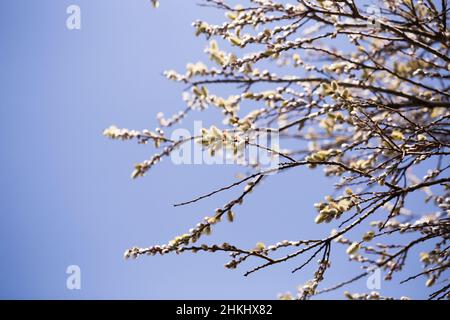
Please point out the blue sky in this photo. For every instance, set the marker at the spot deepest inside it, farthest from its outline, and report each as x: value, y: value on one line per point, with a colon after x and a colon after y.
x: 66, y: 195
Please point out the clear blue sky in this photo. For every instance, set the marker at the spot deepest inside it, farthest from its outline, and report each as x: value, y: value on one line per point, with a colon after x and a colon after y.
x: 66, y: 195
